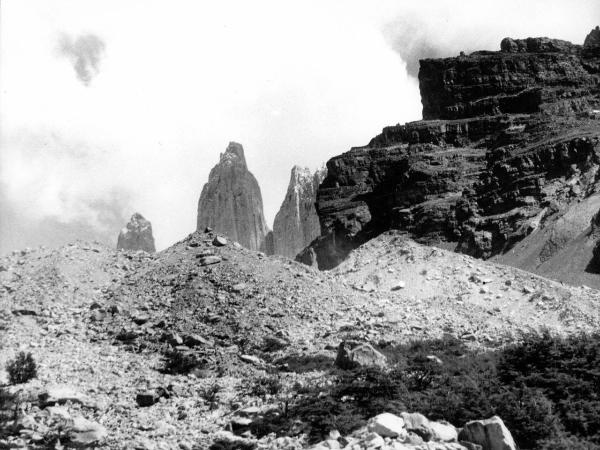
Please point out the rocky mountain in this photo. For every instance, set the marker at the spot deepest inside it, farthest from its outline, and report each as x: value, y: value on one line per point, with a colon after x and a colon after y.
x: 509, y: 145
x: 137, y: 235
x: 297, y: 224
x: 231, y: 202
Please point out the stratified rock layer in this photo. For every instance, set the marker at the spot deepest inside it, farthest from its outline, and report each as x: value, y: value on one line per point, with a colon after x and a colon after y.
x: 527, y: 76
x: 487, y: 170
x: 137, y: 235
x: 297, y: 224
x: 231, y: 202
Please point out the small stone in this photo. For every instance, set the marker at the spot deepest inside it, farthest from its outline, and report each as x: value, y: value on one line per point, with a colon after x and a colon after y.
x: 399, y: 285
x: 239, y: 287
x: 208, y: 260
x: 195, y: 340
x: 146, y: 398
x: 373, y: 440
x: 173, y: 338
x: 255, y: 360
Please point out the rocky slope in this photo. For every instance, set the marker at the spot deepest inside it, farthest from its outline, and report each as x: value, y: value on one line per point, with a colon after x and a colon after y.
x: 100, y: 322
x: 231, y: 202
x: 137, y: 235
x: 296, y: 223
x: 510, y: 145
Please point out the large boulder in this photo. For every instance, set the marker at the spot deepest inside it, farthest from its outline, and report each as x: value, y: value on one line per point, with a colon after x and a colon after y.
x: 137, y: 235
x: 353, y: 354
x: 231, y: 201
x: 429, y: 430
x: 490, y: 433
x: 387, y: 425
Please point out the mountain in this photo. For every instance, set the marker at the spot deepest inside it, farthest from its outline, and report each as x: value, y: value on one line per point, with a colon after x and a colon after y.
x: 296, y: 223
x: 137, y: 235
x: 231, y: 202
x: 509, y: 145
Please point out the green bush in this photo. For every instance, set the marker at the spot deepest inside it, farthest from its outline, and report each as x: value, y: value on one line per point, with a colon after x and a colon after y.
x: 265, y: 385
x: 546, y: 389
x: 21, y: 369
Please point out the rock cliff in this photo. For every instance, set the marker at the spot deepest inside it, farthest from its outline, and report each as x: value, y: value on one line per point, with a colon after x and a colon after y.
x: 297, y: 224
x: 137, y: 235
x: 509, y: 147
x: 526, y: 76
x: 231, y: 202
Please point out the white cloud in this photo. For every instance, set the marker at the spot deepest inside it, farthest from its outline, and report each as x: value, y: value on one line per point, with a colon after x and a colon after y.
x: 294, y: 82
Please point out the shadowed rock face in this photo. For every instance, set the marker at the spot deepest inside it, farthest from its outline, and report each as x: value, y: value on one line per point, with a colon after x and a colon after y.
x: 475, y: 179
x: 137, y: 235
x: 527, y: 76
x: 297, y: 224
x: 231, y: 202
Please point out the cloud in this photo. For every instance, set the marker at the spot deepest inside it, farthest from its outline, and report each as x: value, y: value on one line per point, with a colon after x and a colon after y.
x: 439, y: 28
x: 146, y: 122
x: 84, y: 52
x: 413, y: 40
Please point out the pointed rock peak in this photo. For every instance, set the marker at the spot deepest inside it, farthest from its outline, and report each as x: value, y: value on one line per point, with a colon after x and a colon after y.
x: 137, y: 220
x: 592, y: 39
x: 299, y: 174
x: 233, y: 154
x: 137, y: 235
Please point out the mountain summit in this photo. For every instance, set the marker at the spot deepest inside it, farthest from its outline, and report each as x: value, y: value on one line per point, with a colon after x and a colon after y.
x: 231, y: 202
x: 137, y: 235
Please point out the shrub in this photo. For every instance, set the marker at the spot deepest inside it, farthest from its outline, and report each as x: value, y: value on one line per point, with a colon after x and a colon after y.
x: 21, y: 369
x: 265, y: 385
x: 210, y: 394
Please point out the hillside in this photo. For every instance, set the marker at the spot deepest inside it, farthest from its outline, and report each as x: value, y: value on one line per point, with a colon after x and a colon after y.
x: 101, y: 323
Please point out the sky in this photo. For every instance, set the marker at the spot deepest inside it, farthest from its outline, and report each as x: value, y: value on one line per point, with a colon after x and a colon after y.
x: 108, y: 107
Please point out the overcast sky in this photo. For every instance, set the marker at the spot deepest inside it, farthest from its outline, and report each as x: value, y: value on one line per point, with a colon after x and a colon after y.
x: 110, y: 107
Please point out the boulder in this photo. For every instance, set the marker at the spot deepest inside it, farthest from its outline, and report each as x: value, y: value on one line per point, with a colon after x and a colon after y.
x: 209, y: 260
x: 387, y: 425
x: 352, y: 354
x: 491, y: 434
x: 61, y: 394
x: 219, y: 241
x: 85, y: 433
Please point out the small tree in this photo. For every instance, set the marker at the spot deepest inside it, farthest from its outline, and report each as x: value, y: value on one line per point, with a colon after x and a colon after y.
x: 21, y: 369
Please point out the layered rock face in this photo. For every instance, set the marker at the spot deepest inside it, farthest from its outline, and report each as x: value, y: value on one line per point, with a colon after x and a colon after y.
x: 488, y: 169
x: 297, y: 224
x: 231, y: 202
x: 526, y: 76
x: 137, y: 235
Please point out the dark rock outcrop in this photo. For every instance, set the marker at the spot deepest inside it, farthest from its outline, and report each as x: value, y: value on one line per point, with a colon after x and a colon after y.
x: 527, y: 76
x: 297, y: 224
x: 480, y: 176
x: 137, y: 235
x: 231, y: 202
